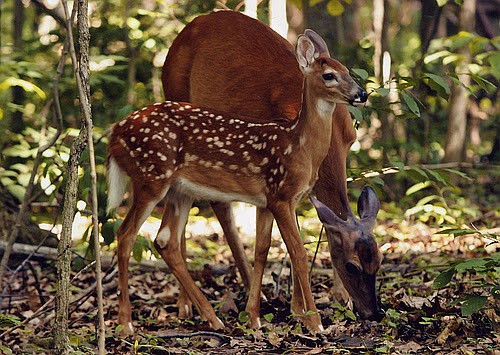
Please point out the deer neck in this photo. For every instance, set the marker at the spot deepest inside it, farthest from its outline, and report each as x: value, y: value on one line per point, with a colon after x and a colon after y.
x: 314, y: 126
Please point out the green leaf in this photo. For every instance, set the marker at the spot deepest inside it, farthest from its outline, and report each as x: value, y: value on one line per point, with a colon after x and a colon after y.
x: 472, y: 304
x: 350, y: 314
x: 18, y: 151
x: 17, y: 190
x: 441, y: 3
x: 471, y: 264
x: 435, y: 56
x: 26, y: 85
x: 494, y: 60
x: 437, y: 176
x: 269, y: 317
x: 438, y: 80
x: 244, y: 317
x: 412, y: 105
x: 356, y: 112
x: 363, y: 74
x: 335, y: 7
x: 383, y: 91
x: 443, y: 278
x: 377, y: 180
x: 459, y: 173
x: 417, y: 187
x: 5, y: 350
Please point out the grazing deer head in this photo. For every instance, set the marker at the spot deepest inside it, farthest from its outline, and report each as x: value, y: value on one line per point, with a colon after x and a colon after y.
x: 354, y: 250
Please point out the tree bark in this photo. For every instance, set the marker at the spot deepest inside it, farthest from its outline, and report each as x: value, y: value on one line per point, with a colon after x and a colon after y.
x: 61, y: 340
x: 459, y: 97
x: 17, y: 124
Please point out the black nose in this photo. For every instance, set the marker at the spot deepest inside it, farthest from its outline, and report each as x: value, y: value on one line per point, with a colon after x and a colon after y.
x: 360, y: 97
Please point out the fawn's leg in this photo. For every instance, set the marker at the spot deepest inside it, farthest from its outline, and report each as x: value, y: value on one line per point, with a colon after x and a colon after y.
x: 184, y: 304
x: 224, y: 214
x: 142, y: 206
x: 262, y: 244
x: 284, y: 213
x: 168, y: 244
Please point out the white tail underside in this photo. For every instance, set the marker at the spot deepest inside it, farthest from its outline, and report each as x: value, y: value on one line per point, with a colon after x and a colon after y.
x: 117, y: 184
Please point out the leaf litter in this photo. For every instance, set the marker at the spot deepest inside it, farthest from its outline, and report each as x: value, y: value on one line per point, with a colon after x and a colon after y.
x: 419, y: 319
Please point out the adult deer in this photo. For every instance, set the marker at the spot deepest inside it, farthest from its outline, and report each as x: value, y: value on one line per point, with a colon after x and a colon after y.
x: 183, y: 152
x: 231, y: 62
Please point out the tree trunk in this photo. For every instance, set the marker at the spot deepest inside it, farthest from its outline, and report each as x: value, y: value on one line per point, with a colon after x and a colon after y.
x: 277, y: 17
x: 17, y: 124
x: 251, y: 8
x: 61, y: 340
x: 459, y: 97
x: 381, y: 43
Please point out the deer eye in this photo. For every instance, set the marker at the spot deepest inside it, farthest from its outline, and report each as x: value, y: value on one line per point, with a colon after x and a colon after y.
x: 352, y: 268
x: 328, y: 76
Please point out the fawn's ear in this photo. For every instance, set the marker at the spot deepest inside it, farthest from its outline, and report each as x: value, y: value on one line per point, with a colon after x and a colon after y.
x: 320, y: 46
x: 305, y: 52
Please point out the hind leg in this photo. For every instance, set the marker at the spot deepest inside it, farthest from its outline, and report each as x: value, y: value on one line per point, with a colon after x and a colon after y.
x: 168, y: 244
x: 142, y: 206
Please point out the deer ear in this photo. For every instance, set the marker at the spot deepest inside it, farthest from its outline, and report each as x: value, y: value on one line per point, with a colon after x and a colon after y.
x: 368, y: 204
x: 305, y: 52
x: 325, y: 214
x: 319, y: 43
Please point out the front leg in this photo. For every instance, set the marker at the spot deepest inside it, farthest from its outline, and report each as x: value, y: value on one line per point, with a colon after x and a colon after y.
x: 262, y: 244
x: 284, y: 213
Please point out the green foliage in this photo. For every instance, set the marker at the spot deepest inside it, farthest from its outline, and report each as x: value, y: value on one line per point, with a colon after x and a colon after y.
x: 393, y: 318
x: 487, y: 268
x: 341, y: 313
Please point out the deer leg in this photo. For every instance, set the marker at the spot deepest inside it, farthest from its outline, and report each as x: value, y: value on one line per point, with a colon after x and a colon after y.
x: 284, y: 213
x: 262, y: 244
x: 224, y: 214
x: 126, y: 235
x: 168, y: 244
x: 297, y: 305
x: 184, y: 304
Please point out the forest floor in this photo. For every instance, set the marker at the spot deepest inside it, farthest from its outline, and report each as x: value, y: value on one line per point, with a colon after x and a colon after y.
x: 419, y: 319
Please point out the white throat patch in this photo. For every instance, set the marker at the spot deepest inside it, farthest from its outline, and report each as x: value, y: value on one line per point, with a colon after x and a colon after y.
x: 325, y: 108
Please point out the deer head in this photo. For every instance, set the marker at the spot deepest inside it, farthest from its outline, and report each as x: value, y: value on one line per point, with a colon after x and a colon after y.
x: 354, y: 250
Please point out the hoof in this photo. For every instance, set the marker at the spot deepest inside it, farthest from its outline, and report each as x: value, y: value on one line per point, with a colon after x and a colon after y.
x: 217, y: 324
x: 128, y: 329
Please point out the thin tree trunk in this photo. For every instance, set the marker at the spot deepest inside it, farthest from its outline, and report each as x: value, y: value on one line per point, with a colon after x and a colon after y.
x: 380, y: 23
x: 17, y: 124
x: 277, y: 17
x: 251, y: 8
x: 132, y: 58
x: 60, y: 330
x: 459, y: 97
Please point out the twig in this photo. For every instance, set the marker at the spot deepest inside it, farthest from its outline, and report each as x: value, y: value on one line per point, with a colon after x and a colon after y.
x: 37, y: 283
x: 315, y: 253
x: 34, y: 251
x: 45, y: 307
x: 26, y: 199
